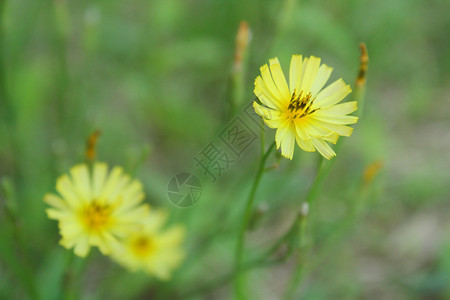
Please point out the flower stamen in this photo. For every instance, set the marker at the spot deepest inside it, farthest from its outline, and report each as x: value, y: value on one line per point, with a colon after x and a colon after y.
x: 143, y: 246
x: 300, y: 106
x: 96, y: 216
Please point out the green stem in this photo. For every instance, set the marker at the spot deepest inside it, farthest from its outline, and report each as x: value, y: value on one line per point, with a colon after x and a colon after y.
x: 239, y: 68
x: 74, y: 273
x: 257, y: 263
x: 7, y: 113
x: 15, y: 254
x: 239, y: 279
x: 318, y: 180
x: 69, y: 280
x: 261, y: 262
x: 17, y: 262
x: 325, y: 166
x: 295, y: 279
x: 262, y: 136
x: 312, y: 195
x: 60, y: 51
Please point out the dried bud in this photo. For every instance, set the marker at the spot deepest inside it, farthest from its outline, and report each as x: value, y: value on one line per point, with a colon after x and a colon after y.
x: 91, y: 143
x: 243, y: 37
x: 371, y: 171
x: 364, y: 60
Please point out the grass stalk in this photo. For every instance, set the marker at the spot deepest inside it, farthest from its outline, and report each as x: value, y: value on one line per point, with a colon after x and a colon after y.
x: 240, y: 278
x: 237, y: 89
x: 16, y: 258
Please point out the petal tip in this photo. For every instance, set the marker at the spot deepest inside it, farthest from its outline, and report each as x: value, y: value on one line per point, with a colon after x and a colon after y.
x: 274, y: 61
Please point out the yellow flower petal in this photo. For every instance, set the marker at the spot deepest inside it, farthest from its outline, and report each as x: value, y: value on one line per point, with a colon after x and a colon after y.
x: 322, y: 77
x: 82, y: 247
x: 135, y: 214
x: 278, y: 77
x: 65, y: 188
x: 272, y: 118
x: 335, y: 119
x: 311, y: 130
x: 68, y: 244
x: 71, y: 230
x: 270, y: 85
x: 332, y: 138
x: 105, y: 242
x: 173, y: 236
x: 55, y: 214
x: 98, y: 179
x: 55, y: 201
x: 323, y: 148
x: 265, y: 95
x: 279, y: 135
x: 264, y: 112
x: 132, y: 194
x: 288, y: 142
x: 295, y: 73
x: 301, y: 132
x: 332, y: 94
x: 339, y: 109
x: 159, y: 217
x: 310, y: 74
x: 81, y: 181
x: 113, y: 184
x: 340, y: 129
x: 274, y: 123
x: 305, y: 145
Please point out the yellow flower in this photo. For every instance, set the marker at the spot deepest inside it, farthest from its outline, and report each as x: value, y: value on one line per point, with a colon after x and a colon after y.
x: 96, y: 210
x: 303, y: 111
x: 151, y: 249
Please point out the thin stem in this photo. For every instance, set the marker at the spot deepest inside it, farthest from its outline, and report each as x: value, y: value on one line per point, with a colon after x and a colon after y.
x: 262, y: 137
x: 7, y: 113
x: 257, y: 263
x: 17, y: 265
x: 69, y: 280
x: 318, y: 180
x: 330, y: 240
x: 239, y: 279
x: 328, y: 245
x: 325, y: 166
x: 360, y: 83
x: 17, y: 259
x: 74, y: 272
x: 239, y: 67
x: 295, y: 279
x: 261, y: 262
x: 312, y: 195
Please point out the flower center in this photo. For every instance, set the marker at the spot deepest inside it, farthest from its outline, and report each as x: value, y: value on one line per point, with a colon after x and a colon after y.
x: 96, y: 216
x: 142, y: 246
x: 300, y: 105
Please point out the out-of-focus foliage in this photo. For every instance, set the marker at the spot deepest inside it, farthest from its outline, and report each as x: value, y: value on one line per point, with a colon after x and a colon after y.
x: 154, y: 77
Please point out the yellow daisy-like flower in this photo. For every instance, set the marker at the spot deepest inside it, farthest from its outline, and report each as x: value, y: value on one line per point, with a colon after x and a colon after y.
x: 96, y: 209
x: 303, y: 112
x: 153, y: 250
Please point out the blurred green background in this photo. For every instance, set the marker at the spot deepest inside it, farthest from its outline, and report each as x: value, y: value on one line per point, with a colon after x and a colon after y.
x: 154, y: 77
